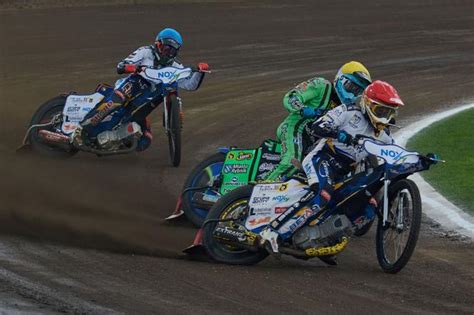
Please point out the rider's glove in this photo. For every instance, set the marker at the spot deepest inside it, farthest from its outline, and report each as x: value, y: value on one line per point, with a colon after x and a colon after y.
x: 344, y: 137
x: 130, y: 68
x: 308, y: 112
x: 203, y: 66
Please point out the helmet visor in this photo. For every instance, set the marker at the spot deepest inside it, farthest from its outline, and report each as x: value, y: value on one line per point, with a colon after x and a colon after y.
x: 168, y: 51
x: 351, y: 87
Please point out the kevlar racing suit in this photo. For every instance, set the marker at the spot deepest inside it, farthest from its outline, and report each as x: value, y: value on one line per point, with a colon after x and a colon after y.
x: 317, y: 94
x: 329, y: 160
x: 332, y: 158
x: 130, y: 88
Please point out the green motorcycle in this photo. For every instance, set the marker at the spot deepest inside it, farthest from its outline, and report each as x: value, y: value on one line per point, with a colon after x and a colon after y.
x: 222, y: 172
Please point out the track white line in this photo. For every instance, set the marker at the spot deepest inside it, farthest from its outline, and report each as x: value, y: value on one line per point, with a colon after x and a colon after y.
x: 436, y: 206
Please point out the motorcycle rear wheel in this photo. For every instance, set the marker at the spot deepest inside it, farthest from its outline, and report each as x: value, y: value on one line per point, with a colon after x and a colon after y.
x: 44, y: 114
x: 396, y: 241
x: 229, y: 206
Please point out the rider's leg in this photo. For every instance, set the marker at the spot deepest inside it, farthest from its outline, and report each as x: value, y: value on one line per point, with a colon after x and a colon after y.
x: 290, y: 133
x: 320, y: 176
x: 322, y: 168
x: 321, y: 180
x: 140, y: 115
x: 128, y: 89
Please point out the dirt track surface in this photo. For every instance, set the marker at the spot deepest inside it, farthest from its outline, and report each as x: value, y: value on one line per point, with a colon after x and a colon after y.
x: 95, y: 238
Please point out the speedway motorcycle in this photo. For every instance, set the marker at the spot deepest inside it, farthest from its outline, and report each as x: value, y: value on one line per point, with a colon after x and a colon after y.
x: 219, y: 174
x: 56, y: 120
x: 229, y: 169
x: 230, y: 233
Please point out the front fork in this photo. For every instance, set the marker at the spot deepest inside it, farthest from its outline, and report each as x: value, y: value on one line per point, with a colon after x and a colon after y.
x: 386, y: 182
x: 166, y: 110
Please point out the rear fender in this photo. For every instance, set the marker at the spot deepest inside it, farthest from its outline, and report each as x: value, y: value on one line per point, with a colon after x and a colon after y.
x: 224, y: 150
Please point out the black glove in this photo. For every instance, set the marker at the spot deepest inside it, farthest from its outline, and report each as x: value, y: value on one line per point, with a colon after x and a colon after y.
x: 344, y: 137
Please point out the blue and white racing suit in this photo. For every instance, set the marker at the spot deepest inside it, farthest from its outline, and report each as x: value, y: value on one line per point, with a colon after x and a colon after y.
x: 130, y: 88
x: 331, y: 158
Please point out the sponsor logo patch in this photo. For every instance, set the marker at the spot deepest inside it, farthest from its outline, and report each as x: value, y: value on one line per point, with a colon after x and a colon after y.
x: 279, y: 210
x: 281, y: 198
x: 258, y: 221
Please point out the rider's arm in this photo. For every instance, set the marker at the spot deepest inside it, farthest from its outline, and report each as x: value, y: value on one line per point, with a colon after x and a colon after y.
x: 314, y: 93
x: 191, y: 83
x: 329, y: 125
x: 129, y: 64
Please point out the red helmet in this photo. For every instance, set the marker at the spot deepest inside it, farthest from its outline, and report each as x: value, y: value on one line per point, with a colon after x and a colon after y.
x: 380, y: 101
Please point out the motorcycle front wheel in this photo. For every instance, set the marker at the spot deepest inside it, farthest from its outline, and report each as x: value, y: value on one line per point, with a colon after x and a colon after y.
x: 174, y: 130
x: 396, y: 241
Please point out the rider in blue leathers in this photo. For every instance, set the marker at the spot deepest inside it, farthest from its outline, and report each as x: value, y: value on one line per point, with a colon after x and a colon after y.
x: 336, y: 154
x: 162, y: 53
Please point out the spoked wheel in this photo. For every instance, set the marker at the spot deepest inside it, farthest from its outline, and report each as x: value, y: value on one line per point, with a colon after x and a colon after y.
x: 206, y: 175
x: 45, y: 114
x: 233, y: 205
x: 396, y: 240
x: 174, y: 130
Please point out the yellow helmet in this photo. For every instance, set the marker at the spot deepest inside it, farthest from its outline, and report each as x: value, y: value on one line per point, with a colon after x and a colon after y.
x: 350, y: 81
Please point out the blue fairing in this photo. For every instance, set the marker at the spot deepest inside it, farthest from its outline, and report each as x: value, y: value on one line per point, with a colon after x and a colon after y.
x: 106, y: 91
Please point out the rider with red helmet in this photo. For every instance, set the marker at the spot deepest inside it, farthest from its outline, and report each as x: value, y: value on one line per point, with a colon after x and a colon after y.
x: 334, y: 157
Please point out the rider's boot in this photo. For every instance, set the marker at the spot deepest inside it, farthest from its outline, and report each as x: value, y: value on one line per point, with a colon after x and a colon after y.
x: 269, y: 239
x: 145, y: 140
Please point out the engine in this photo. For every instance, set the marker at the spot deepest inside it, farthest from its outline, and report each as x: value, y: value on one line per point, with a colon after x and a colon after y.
x: 327, y: 233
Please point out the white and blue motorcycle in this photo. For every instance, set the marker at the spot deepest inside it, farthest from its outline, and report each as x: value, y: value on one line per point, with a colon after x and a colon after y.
x: 230, y: 233
x: 56, y: 120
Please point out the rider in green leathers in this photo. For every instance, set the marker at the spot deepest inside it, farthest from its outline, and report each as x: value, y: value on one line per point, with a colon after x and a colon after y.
x: 310, y: 100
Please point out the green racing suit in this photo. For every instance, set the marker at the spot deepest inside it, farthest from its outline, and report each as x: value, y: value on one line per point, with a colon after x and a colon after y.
x: 317, y: 93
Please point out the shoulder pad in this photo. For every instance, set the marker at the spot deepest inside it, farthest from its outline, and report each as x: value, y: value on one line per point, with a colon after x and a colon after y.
x: 319, y: 80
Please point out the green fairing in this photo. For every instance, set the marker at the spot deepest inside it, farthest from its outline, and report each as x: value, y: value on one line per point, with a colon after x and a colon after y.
x: 238, y: 169
x: 315, y: 93
x: 241, y: 165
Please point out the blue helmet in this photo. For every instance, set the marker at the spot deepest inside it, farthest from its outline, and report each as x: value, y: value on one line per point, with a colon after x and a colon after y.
x: 170, y: 35
x: 168, y: 42
x: 351, y: 80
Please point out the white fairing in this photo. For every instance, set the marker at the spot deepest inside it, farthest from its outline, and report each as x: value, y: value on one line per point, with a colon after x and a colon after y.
x: 145, y: 56
x: 166, y: 75
x: 268, y: 201
x: 76, y: 108
x: 392, y: 154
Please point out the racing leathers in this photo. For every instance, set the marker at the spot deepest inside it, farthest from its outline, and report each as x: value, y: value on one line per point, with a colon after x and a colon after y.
x: 337, y: 155
x: 305, y: 102
x: 115, y: 106
x: 333, y: 157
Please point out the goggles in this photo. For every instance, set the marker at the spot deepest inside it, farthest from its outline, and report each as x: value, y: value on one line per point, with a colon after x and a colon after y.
x: 166, y: 49
x: 351, y: 87
x: 381, y: 111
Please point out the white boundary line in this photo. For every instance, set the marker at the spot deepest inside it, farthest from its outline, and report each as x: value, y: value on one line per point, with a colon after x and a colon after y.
x: 436, y: 206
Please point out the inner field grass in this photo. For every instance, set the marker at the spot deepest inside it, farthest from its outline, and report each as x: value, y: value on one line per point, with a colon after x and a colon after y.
x: 453, y: 140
